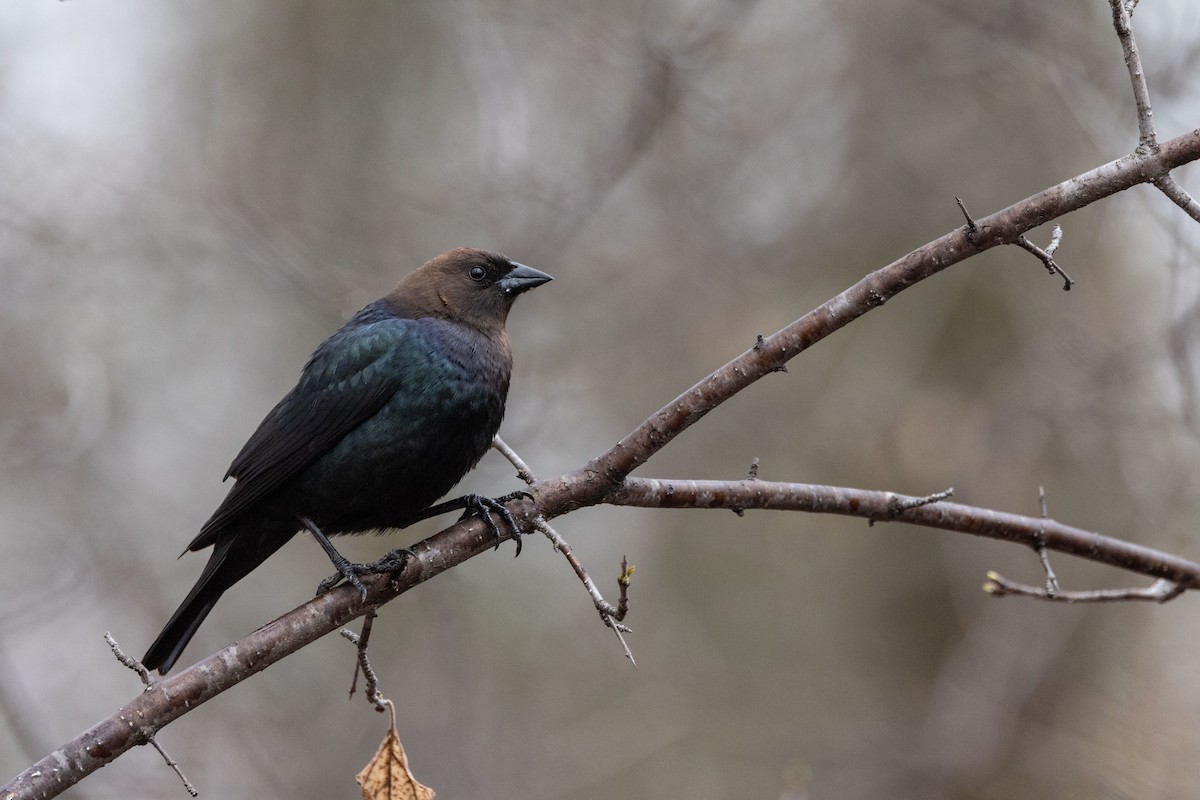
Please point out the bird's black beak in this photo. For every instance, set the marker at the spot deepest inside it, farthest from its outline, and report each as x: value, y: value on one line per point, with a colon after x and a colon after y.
x: 521, y: 279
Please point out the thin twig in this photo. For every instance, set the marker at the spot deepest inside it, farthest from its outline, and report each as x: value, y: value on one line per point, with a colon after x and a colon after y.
x: 1179, y: 196
x: 603, y: 606
x: 128, y: 661
x: 1147, y: 138
x: 1047, y: 256
x: 612, y: 615
x: 1160, y: 592
x: 623, y: 581
x: 523, y: 470
x: 1056, y: 236
x: 360, y: 640
x: 187, y: 785
x: 898, y: 504
x: 144, y: 674
x: 998, y: 586
x: 374, y: 696
x: 1122, y: 10
x: 902, y: 504
x: 619, y: 630
x: 1052, y: 587
x: 972, y: 225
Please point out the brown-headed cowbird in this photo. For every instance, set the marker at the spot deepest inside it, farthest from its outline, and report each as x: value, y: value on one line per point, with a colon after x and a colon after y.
x: 389, y: 414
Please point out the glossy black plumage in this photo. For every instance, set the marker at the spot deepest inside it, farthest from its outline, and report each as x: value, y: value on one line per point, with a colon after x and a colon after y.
x: 388, y: 415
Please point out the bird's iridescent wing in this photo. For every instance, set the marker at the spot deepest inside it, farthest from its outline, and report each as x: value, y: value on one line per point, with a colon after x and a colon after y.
x: 348, y: 379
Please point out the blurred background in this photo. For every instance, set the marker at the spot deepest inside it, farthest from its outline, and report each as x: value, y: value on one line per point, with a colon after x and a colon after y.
x: 193, y: 195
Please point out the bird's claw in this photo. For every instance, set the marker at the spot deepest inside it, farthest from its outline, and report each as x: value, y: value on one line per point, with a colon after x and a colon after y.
x: 391, y: 564
x: 480, y: 506
x: 348, y: 573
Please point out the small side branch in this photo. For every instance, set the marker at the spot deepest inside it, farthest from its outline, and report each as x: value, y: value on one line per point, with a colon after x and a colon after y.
x: 999, y: 586
x: 523, y: 470
x: 1177, y: 195
x: 128, y: 661
x: 612, y: 615
x: 1147, y: 138
x: 972, y: 226
x: 187, y: 785
x: 1122, y: 10
x: 623, y: 581
x: 363, y: 664
x: 1033, y: 532
x: 1052, y: 587
x: 901, y: 504
x: 1046, y: 256
x: 147, y: 681
x: 1160, y: 592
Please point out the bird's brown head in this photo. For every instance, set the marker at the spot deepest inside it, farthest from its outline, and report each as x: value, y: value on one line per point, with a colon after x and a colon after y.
x: 469, y: 286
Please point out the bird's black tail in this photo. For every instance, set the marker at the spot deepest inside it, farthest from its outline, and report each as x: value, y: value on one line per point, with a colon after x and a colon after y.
x: 234, y: 556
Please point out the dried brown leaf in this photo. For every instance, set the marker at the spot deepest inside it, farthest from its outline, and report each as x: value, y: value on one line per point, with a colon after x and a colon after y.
x: 387, y: 776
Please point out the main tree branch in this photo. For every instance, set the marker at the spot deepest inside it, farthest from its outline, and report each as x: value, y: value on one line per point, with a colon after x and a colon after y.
x: 605, y: 478
x: 604, y: 474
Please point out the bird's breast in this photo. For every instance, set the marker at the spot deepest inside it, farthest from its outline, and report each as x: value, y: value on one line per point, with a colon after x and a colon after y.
x: 423, y: 439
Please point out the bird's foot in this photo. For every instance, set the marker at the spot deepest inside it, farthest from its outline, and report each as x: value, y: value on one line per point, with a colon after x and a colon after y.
x: 344, y: 567
x: 391, y: 564
x: 482, y: 507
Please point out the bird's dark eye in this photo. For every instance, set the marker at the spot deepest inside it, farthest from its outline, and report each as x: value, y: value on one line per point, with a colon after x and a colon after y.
x: 477, y: 273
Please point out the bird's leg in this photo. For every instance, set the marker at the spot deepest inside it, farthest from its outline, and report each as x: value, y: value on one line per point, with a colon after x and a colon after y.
x: 345, y: 568
x: 476, y: 505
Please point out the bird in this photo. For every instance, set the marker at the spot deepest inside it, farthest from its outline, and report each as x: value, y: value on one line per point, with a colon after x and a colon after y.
x: 389, y: 413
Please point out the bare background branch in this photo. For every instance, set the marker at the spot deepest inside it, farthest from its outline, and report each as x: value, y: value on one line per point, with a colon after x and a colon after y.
x: 195, y: 194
